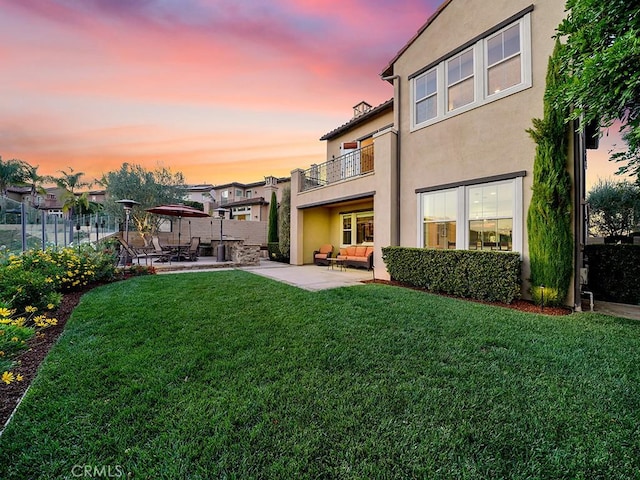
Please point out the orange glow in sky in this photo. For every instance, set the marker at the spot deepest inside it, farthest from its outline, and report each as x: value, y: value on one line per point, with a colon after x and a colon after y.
x: 218, y: 90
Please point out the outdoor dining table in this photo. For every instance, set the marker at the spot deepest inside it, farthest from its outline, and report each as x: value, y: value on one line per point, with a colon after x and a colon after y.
x: 178, y: 251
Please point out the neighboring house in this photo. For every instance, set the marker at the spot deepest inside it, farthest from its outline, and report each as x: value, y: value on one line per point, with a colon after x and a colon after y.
x: 454, y: 166
x: 202, y: 193
x: 249, y: 201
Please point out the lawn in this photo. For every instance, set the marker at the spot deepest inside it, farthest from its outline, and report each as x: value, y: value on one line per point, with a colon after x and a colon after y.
x: 231, y: 375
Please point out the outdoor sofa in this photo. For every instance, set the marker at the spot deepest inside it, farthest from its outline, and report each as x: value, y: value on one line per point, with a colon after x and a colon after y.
x: 357, y: 256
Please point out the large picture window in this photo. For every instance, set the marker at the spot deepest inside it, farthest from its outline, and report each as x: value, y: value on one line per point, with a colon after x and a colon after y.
x: 484, y: 216
x: 486, y: 70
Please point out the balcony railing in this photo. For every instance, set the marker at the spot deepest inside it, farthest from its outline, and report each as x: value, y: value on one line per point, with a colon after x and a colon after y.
x: 350, y: 165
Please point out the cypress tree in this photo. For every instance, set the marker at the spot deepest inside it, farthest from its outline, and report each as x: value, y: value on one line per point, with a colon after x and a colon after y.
x: 549, y: 217
x: 272, y: 232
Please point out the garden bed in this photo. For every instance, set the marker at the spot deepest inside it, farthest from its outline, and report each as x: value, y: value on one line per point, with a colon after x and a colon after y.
x: 29, y: 361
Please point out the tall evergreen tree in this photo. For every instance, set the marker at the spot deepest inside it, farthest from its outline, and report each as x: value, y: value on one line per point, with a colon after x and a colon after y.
x: 549, y: 218
x: 272, y: 232
x: 284, y: 222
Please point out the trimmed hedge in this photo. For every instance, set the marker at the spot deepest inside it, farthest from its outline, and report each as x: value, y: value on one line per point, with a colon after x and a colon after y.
x: 491, y: 276
x: 614, y: 272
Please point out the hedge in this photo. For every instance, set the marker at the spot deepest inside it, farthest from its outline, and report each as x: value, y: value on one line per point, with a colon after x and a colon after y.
x: 490, y: 276
x: 614, y: 272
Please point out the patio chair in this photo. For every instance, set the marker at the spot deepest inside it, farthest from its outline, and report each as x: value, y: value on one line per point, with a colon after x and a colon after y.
x: 128, y: 253
x: 162, y: 253
x: 320, y: 256
x: 193, y: 251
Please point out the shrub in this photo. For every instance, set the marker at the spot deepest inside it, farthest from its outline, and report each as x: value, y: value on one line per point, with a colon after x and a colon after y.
x: 491, y: 276
x: 275, y: 254
x: 614, y: 272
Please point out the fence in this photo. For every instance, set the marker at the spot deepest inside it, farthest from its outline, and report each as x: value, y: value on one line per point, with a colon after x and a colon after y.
x: 23, y: 227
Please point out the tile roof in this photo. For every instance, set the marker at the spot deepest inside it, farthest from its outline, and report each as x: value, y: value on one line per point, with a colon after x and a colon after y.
x: 358, y: 120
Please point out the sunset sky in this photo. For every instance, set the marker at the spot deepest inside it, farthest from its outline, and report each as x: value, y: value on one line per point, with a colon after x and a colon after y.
x: 220, y: 90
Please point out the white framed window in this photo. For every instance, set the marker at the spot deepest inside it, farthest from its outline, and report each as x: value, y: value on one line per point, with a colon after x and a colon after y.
x: 362, y: 223
x: 492, y: 68
x: 346, y: 229
x: 460, y: 83
x: 439, y: 218
x: 504, y: 60
x: 426, y: 95
x: 482, y: 216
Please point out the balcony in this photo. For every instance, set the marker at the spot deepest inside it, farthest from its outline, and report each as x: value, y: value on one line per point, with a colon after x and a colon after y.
x: 350, y: 165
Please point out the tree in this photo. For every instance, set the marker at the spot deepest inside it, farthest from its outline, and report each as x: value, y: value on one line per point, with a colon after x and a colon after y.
x: 34, y: 180
x: 272, y: 232
x: 602, y: 59
x: 284, y: 222
x: 70, y: 181
x: 614, y: 208
x: 549, y: 225
x: 147, y: 187
x: 12, y: 172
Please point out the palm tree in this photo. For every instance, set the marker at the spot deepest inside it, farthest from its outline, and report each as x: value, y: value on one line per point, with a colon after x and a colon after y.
x: 69, y: 182
x: 72, y: 203
x: 34, y: 180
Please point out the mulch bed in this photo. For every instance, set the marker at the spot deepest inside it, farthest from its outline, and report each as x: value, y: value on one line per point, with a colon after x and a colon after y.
x: 521, y: 305
x: 39, y: 346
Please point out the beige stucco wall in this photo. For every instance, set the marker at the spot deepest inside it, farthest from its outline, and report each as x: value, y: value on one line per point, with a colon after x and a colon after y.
x: 366, y: 129
x: 488, y: 140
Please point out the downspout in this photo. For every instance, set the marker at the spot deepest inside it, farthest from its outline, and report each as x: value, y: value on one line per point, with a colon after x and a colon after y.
x: 579, y: 166
x: 396, y: 123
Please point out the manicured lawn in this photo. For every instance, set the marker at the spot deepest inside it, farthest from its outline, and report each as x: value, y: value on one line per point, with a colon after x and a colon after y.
x: 230, y: 375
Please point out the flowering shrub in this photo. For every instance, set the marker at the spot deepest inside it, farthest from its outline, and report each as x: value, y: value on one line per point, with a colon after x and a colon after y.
x: 37, y: 277
x: 15, y: 330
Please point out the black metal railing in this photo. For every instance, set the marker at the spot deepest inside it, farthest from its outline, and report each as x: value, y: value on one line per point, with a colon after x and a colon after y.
x: 350, y: 165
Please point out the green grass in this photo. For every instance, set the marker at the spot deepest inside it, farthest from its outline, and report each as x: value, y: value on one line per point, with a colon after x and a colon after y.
x: 230, y: 375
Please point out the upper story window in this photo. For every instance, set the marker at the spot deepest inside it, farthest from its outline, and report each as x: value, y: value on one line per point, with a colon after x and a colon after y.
x: 460, y: 86
x: 479, y: 72
x: 426, y: 95
x: 504, y: 61
x: 238, y: 193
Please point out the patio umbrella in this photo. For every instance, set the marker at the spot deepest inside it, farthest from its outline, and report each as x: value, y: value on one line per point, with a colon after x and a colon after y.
x: 177, y: 210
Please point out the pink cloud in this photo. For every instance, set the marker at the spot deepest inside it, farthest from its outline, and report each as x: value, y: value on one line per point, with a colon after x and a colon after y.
x: 98, y: 82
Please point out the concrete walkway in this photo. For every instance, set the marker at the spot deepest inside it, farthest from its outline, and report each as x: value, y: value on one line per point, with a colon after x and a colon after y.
x: 617, y: 309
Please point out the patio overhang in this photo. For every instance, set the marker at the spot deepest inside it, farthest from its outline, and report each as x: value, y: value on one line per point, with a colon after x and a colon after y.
x: 337, y: 201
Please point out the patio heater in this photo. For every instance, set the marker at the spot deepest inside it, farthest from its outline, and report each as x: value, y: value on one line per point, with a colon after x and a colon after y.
x: 221, y: 211
x: 127, y: 205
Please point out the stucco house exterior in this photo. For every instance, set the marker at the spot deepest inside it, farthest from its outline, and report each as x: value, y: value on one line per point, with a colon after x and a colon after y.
x: 453, y: 161
x: 249, y: 201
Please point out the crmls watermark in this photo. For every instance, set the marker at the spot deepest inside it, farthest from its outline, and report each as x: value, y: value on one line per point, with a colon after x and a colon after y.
x: 98, y: 471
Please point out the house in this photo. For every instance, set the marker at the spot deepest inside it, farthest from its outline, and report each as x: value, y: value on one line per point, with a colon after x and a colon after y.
x: 453, y: 164
x: 249, y: 201
x: 201, y: 193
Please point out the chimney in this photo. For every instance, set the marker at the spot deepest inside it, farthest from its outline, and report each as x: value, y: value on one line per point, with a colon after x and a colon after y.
x: 361, y: 109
